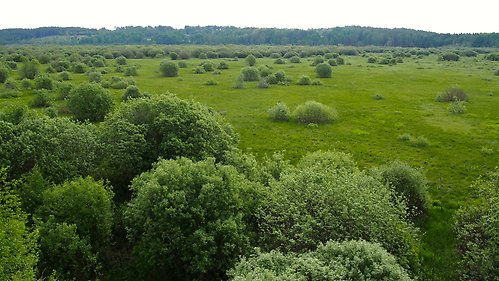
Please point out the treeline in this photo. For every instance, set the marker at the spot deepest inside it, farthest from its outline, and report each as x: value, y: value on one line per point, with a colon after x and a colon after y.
x: 214, y: 35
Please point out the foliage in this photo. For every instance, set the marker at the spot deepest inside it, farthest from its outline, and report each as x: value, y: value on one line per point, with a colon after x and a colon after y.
x: 457, y: 107
x: 348, y: 260
x: 416, y: 141
x: 239, y: 84
x: 173, y: 56
x: 223, y: 65
x: 318, y: 202
x: 250, y: 73
x: 29, y: 70
x: 64, y: 76
x: 250, y: 60
x: 41, y: 99
x: 79, y: 67
x: 477, y: 227
x: 168, y: 68
x: 279, y: 61
x: 294, y: 59
x: 95, y: 76
x: 200, y: 231
x: 314, y: 112
x: 450, y: 57
x: 211, y: 82
x: 452, y: 94
x: 59, y: 148
x: 43, y: 82
x: 121, y: 60
x: 263, y: 84
x: 208, y: 66
x: 279, y: 112
x: 131, y: 70
x: 409, y: 183
x: 18, y: 251
x: 304, y: 80
x: 4, y: 74
x: 131, y: 92
x: 89, y: 101
x: 142, y: 130
x: 323, y: 70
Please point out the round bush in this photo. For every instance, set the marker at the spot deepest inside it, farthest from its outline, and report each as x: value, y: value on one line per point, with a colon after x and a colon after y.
x: 168, y: 68
x: 450, y: 57
x: 314, y: 112
x: 250, y: 73
x: 304, y: 80
x: 121, y: 60
x: 29, y: 70
x: 279, y: 61
x: 452, y: 94
x: 223, y: 65
x: 208, y: 66
x: 43, y: 82
x: 173, y: 56
x: 4, y: 74
x: 323, y: 70
x: 131, y: 92
x: 95, y: 77
x: 79, y: 67
x: 279, y: 112
x: 64, y: 76
x: 251, y: 60
x: 89, y: 101
x: 294, y: 59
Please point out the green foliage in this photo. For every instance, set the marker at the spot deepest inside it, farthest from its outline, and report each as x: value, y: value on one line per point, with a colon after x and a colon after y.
x: 59, y: 148
x: 457, y: 107
x: 264, y: 71
x: 314, y: 112
x: 14, y: 114
x: 29, y: 70
x: 41, y: 99
x: 18, y: 251
x: 223, y: 65
x: 279, y: 61
x: 318, y: 202
x: 477, y: 228
x: 142, y: 130
x: 409, y: 183
x: 263, y: 84
x: 168, y: 68
x: 334, y: 261
x: 239, y: 84
x: 10, y: 84
x: 279, y: 112
x: 79, y: 67
x: 199, y: 70
x: 208, y: 66
x: 304, y: 80
x: 450, y: 57
x: 323, y: 70
x: 200, y: 231
x: 121, y: 60
x: 419, y: 141
x: 378, y: 97
x: 64, y: 76
x: 211, y: 82
x: 173, y: 56
x: 131, y: 92
x: 250, y: 60
x: 294, y: 59
x: 4, y: 74
x: 43, y: 82
x: 89, y: 101
x: 131, y: 70
x: 95, y: 76
x: 452, y: 94
x: 340, y: 61
x: 250, y: 73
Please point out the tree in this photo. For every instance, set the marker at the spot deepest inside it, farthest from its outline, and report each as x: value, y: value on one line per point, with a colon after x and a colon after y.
x: 162, y: 126
x: 168, y: 68
x: 200, y: 230
x: 251, y: 60
x: 18, y: 251
x: 323, y: 70
x: 89, y: 101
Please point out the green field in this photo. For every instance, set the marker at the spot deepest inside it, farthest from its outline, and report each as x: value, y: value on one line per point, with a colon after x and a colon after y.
x: 462, y: 146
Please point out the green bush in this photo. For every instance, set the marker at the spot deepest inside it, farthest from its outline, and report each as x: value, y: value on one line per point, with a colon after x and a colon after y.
x: 264, y: 71
x: 41, y: 98
x: 64, y: 76
x: 250, y: 60
x: 452, y: 94
x: 10, y: 84
x: 168, y: 68
x: 263, y: 84
x: 477, y: 228
x: 450, y: 57
x: 173, y: 56
x: 317, y: 60
x: 496, y: 73
x: 223, y: 65
x: 211, y: 82
x: 419, y: 141
x: 239, y: 84
x: 323, y: 70
x: 4, y: 74
x: 203, y: 221
x: 131, y: 70
x: 409, y: 183
x: 89, y: 101
x: 208, y: 66
x: 29, y: 70
x: 121, y: 60
x: 182, y: 64
x: 340, y: 61
x: 457, y: 107
x: 294, y: 59
x: 279, y: 61
x: 95, y: 77
x: 304, y: 80
x: 314, y: 112
x: 250, y: 74
x: 79, y: 67
x: 334, y: 261
x: 131, y: 92
x: 199, y: 70
x: 279, y: 112
x: 43, y: 82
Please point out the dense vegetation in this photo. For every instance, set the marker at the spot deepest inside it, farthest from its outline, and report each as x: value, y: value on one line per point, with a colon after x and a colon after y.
x: 215, y: 35
x: 360, y: 174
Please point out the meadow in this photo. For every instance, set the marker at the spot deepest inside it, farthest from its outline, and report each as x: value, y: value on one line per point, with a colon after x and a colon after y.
x: 376, y: 104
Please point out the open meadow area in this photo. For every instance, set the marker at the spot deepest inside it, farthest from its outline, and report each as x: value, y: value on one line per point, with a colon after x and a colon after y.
x: 385, y: 101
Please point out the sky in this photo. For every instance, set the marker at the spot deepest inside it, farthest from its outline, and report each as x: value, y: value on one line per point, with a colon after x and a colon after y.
x: 440, y: 16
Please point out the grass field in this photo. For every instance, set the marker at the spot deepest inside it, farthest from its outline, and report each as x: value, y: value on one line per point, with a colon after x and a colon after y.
x: 462, y: 146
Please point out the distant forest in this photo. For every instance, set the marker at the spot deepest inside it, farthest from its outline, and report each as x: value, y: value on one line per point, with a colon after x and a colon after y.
x: 216, y: 35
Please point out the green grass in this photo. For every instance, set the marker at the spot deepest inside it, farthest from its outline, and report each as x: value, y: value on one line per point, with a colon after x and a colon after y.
x: 367, y: 128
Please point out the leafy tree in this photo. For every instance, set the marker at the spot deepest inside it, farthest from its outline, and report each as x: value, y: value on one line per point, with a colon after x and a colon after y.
x: 251, y: 60
x: 200, y: 230
x: 60, y: 148
x: 89, y: 101
x: 477, y: 228
x: 323, y: 70
x: 334, y: 261
x: 450, y: 57
x: 168, y: 68
x: 18, y: 250
x: 162, y: 126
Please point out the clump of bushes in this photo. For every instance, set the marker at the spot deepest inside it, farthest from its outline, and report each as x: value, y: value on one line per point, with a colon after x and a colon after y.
x: 452, y: 94
x: 211, y: 82
x: 251, y: 60
x: 4, y: 74
x: 419, y: 141
x: 294, y: 59
x: 315, y: 112
x: 449, y: 57
x: 457, y: 107
x: 95, y: 76
x: 131, y: 70
x: 239, y: 84
x: 323, y: 70
x: 131, y: 92
x: 304, y: 80
x: 208, y: 66
x: 263, y: 84
x: 121, y: 60
x: 279, y: 112
x: 41, y: 99
x: 223, y: 65
x: 250, y: 73
x: 90, y: 101
x: 64, y: 76
x: 168, y: 69
x: 43, y: 82
x: 279, y: 61
x: 199, y: 70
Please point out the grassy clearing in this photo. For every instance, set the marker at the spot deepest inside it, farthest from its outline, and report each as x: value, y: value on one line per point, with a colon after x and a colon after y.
x: 368, y: 128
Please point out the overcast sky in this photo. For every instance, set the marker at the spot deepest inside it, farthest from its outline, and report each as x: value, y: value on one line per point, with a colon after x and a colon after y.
x: 441, y: 16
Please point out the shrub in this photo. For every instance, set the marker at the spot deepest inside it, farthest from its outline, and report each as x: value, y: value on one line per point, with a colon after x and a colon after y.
x: 477, y: 229
x: 95, y: 77
x: 250, y: 74
x: 450, y: 57
x: 208, y: 66
x: 173, y: 56
x: 264, y: 71
x: 340, y: 61
x: 26, y: 84
x: 41, y: 99
x: 263, y: 84
x: 43, y: 82
x: 279, y: 112
x: 457, y: 107
x: 199, y: 70
x: 168, y: 68
x: 304, y: 80
x: 182, y: 64
x: 131, y: 70
x: 316, y: 82
x: 202, y: 56
x: 10, y: 84
x: 89, y: 101
x: 419, y: 141
x: 371, y: 60
x: 223, y: 65
x: 275, y: 55
x: 452, y: 94
x: 496, y: 73
x: 29, y: 70
x: 250, y: 60
x: 317, y: 60
x: 4, y: 74
x: 211, y: 82
x: 332, y: 62
x: 64, y: 76
x: 131, y: 92
x: 212, y: 55
x: 294, y: 59
x: 79, y: 67
x: 121, y: 60
x: 314, y: 112
x: 279, y: 61
x: 323, y: 70
x: 409, y: 183
x: 378, y: 97
x: 239, y: 84
x: 204, y: 222
x: 290, y: 54
x: 280, y: 77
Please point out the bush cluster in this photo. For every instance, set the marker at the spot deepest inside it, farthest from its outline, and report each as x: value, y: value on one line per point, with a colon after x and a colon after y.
x: 314, y: 112
x: 452, y: 94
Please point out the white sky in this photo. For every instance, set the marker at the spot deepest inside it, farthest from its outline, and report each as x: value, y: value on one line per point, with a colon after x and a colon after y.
x: 444, y: 16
